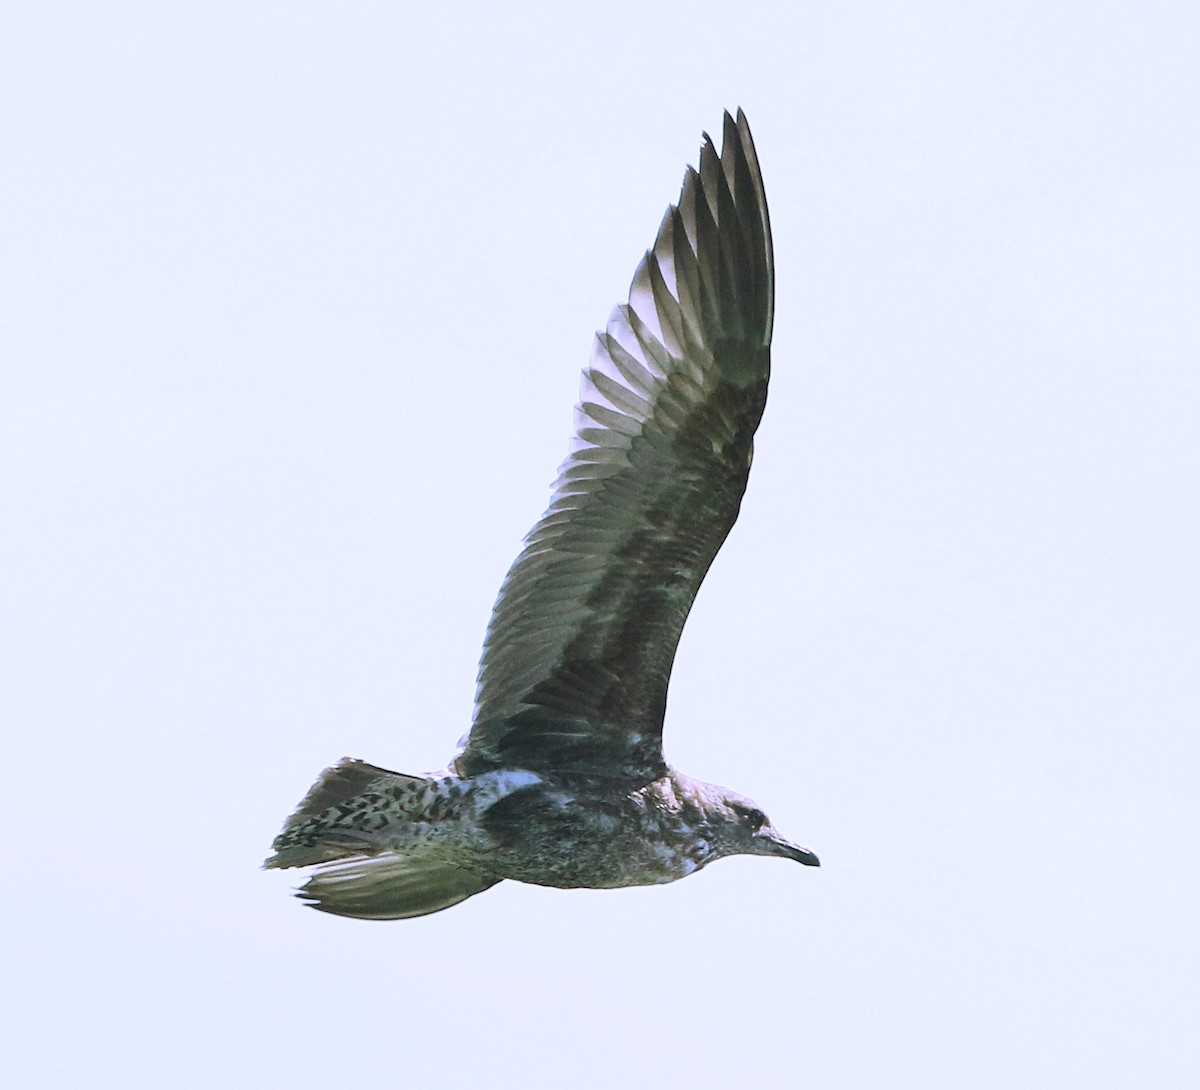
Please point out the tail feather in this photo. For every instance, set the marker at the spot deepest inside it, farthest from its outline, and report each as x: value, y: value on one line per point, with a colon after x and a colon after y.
x: 356, y: 874
x: 307, y: 838
x: 389, y: 887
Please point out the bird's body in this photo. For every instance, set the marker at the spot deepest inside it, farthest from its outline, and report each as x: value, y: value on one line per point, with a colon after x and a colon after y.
x: 561, y: 780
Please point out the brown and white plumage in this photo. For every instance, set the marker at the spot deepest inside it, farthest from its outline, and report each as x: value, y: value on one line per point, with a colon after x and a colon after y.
x: 561, y: 779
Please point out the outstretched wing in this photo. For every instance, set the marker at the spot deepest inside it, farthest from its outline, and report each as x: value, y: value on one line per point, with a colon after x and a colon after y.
x: 579, y: 649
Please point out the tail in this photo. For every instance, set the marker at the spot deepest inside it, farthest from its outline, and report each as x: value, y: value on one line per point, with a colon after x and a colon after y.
x: 356, y: 877
x: 323, y: 827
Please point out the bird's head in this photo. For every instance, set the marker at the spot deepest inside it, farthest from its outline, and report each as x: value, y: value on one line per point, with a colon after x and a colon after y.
x: 740, y: 827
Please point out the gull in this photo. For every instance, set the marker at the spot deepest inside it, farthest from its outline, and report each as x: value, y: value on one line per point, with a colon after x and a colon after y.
x: 561, y: 780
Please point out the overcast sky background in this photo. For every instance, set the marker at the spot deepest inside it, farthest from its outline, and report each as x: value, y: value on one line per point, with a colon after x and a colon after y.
x: 294, y: 301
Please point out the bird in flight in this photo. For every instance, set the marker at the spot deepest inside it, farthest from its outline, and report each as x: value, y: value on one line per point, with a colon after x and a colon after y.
x: 561, y: 780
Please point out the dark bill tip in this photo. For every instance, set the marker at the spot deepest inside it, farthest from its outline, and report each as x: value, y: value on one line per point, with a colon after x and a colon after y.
x: 799, y: 854
x: 802, y: 855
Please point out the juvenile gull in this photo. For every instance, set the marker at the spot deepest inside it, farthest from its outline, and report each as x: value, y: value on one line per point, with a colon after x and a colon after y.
x: 561, y: 780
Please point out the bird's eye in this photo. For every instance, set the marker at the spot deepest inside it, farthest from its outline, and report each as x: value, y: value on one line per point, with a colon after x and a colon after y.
x: 752, y: 819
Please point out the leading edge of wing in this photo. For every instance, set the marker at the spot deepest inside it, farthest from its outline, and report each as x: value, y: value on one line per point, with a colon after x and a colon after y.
x: 578, y: 652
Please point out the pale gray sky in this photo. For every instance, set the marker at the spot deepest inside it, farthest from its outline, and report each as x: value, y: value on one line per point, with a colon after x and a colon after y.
x: 294, y: 302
